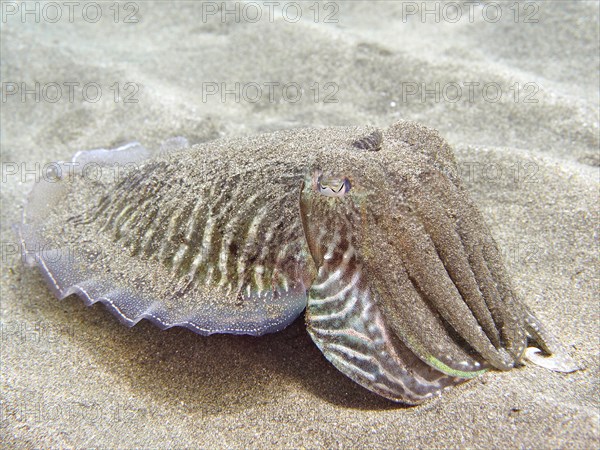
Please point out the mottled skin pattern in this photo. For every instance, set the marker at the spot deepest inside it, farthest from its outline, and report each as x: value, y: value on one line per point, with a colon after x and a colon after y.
x: 370, y: 230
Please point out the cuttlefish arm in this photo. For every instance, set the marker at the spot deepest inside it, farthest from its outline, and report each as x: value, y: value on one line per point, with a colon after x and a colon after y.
x: 346, y: 322
x: 411, y: 294
x: 552, y: 354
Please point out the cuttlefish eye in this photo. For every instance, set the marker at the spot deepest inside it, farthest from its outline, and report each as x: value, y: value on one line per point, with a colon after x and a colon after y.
x: 330, y: 186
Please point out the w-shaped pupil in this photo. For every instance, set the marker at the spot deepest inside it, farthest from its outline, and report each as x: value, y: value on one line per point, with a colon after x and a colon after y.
x: 333, y: 187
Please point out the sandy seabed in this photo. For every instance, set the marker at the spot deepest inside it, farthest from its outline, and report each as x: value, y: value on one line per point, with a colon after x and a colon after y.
x: 516, y: 96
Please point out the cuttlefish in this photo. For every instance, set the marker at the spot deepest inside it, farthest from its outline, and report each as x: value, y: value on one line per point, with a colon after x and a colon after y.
x: 369, y: 231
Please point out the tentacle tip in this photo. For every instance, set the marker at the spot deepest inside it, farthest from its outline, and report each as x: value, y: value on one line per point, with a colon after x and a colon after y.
x: 555, y: 362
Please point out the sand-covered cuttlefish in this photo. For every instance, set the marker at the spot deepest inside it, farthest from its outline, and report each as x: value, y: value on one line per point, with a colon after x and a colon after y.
x: 370, y: 231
